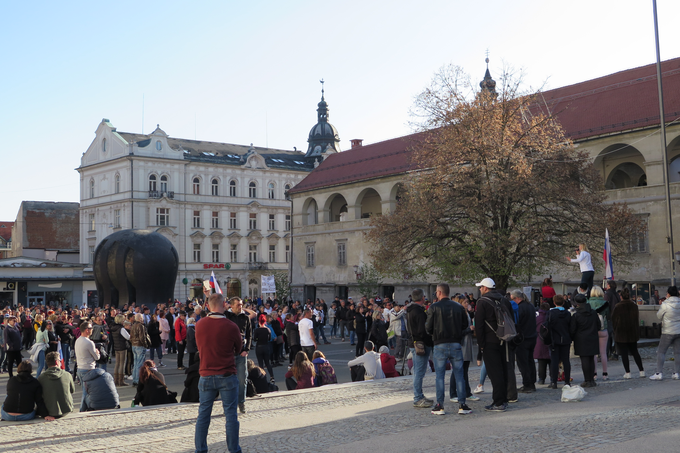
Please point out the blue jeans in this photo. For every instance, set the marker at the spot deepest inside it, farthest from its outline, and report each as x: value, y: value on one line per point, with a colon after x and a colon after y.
x: 17, y: 418
x: 334, y: 328
x: 139, y: 354
x: 392, y: 342
x: 352, y: 335
x: 66, y: 353
x: 454, y: 353
x: 41, y: 362
x: 83, y: 404
x: 482, y: 374
x: 420, y: 364
x: 158, y: 350
x: 209, y: 388
x: 241, y: 372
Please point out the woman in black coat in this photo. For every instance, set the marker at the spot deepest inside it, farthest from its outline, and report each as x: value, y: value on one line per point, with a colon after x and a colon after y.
x: 378, y: 330
x: 190, y: 393
x: 24, y: 396
x: 626, y: 322
x: 360, y: 329
x: 584, y: 328
x: 151, y: 390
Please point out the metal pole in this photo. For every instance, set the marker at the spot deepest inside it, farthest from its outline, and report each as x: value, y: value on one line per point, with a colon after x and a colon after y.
x: 662, y: 122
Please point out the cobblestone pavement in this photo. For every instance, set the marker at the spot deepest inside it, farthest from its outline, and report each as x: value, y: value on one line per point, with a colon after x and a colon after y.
x: 309, y: 421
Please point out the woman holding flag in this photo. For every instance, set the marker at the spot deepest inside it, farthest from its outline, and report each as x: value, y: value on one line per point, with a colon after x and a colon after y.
x: 585, y: 262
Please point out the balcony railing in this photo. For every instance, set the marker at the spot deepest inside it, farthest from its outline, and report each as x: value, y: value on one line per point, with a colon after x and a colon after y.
x: 159, y: 194
x: 257, y: 266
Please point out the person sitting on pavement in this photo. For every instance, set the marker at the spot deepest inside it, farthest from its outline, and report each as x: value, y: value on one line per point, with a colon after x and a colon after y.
x: 57, y: 386
x: 101, y: 391
x: 191, y: 393
x: 325, y: 374
x: 258, y: 377
x: 151, y: 390
x: 388, y: 363
x: 301, y: 374
x: 366, y: 367
x: 583, y: 328
x: 24, y: 396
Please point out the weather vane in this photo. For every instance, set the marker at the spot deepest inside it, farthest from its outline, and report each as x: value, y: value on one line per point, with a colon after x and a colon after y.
x: 322, y: 82
x: 487, y: 58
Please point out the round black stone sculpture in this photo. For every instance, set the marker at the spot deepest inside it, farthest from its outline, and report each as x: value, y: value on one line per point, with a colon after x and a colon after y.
x: 135, y: 266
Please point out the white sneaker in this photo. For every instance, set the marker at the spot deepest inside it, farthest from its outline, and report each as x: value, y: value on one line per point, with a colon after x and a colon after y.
x: 656, y: 377
x: 676, y: 376
x: 479, y: 389
x: 643, y: 374
x: 454, y: 400
x: 626, y: 376
x: 472, y: 398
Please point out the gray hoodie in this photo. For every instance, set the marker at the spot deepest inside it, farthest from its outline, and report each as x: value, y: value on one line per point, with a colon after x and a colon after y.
x: 669, y: 314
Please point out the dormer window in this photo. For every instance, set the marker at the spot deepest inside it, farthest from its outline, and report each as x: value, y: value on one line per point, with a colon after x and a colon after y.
x: 104, y: 145
x: 159, y: 145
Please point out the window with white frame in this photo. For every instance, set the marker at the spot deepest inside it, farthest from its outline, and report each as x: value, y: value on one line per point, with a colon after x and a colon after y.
x: 117, y: 183
x: 272, y: 222
x: 639, y: 243
x: 197, y: 186
x: 152, y: 183
x: 232, y: 220
x: 197, y: 219
x: 164, y: 183
x: 233, y: 253
x: 271, y: 190
x: 272, y: 253
x: 215, y: 187
x: 116, y: 218
x: 232, y: 188
x: 91, y: 222
x: 286, y: 188
x: 162, y: 216
x: 91, y: 254
x: 310, y: 255
x: 252, y: 253
x: 287, y: 253
x: 91, y: 188
x: 252, y: 189
x: 216, y: 253
x: 252, y: 221
x: 197, y: 253
x: 287, y: 222
x: 215, y: 220
x: 342, y: 253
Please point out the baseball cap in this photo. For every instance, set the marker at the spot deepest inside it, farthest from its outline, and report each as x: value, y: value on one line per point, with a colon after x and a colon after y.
x: 487, y: 282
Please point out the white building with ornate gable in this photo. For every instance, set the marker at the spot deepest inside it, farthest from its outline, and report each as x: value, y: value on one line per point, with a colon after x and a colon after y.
x: 223, y: 206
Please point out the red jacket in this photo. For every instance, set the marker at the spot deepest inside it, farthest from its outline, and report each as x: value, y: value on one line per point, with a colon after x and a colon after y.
x: 180, y: 330
x: 388, y: 363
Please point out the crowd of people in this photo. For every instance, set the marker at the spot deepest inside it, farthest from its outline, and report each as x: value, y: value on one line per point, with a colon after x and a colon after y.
x: 72, y: 346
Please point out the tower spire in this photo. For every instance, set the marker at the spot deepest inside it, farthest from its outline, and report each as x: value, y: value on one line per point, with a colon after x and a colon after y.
x: 488, y: 84
x: 322, y: 82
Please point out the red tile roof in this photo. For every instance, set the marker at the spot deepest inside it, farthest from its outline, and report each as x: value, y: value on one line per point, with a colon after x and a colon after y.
x: 6, y: 230
x: 616, y: 102
x: 376, y: 160
x: 613, y: 103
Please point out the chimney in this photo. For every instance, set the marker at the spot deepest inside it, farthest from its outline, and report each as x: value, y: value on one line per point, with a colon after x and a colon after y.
x: 357, y: 142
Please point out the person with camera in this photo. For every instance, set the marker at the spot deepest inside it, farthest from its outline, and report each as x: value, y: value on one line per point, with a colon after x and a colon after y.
x: 421, y: 346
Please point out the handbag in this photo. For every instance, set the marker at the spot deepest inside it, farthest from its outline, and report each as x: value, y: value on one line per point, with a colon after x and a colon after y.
x: 279, y: 339
x: 147, y: 341
x: 420, y: 347
x: 103, y: 355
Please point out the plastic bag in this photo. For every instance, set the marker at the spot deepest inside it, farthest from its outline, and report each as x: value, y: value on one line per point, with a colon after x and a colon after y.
x: 572, y: 393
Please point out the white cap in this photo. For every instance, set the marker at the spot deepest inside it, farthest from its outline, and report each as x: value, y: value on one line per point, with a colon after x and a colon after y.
x: 487, y: 282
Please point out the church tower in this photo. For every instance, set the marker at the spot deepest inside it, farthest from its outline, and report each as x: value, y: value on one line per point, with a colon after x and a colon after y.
x: 323, y: 138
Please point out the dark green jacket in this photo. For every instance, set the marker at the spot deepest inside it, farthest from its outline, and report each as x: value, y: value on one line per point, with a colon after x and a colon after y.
x: 58, y: 388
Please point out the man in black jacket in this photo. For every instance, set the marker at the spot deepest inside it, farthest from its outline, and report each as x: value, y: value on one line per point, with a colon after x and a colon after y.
x: 493, y: 351
x: 237, y: 315
x: 526, y: 329
x: 416, y: 318
x: 447, y: 322
x: 341, y: 315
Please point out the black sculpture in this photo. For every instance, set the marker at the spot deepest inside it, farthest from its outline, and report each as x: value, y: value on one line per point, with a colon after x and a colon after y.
x: 135, y: 266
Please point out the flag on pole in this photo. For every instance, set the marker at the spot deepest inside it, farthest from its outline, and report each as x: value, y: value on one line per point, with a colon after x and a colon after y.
x: 213, y: 283
x: 607, y: 257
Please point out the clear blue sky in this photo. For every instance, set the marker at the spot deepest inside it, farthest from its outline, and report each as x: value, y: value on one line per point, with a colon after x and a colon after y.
x: 248, y: 72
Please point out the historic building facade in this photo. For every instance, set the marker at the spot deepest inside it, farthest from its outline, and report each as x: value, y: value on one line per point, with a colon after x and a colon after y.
x: 615, y: 119
x: 223, y: 206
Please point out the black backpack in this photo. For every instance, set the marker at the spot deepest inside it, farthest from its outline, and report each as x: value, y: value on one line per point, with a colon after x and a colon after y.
x: 506, y: 330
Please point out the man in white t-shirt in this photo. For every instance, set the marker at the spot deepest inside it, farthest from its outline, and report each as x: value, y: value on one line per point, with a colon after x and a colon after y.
x: 306, y: 329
